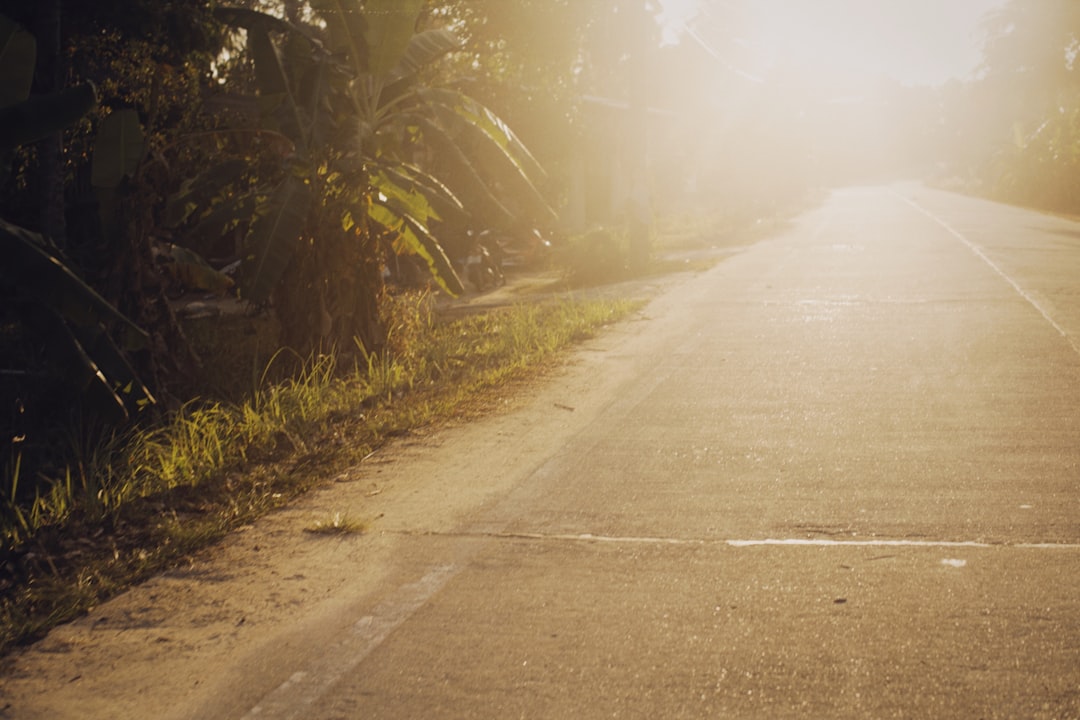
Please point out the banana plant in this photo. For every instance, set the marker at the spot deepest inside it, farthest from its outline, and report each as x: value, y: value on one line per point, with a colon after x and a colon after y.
x: 82, y: 337
x: 365, y: 129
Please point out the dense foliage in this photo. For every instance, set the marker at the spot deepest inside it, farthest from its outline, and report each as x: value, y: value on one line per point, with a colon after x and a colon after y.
x: 148, y: 147
x: 1015, y: 133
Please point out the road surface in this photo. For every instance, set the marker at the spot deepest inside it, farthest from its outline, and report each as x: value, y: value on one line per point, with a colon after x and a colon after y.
x: 836, y: 476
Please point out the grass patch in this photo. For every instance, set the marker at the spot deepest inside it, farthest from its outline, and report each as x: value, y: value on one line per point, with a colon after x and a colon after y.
x: 138, y: 503
x: 337, y: 524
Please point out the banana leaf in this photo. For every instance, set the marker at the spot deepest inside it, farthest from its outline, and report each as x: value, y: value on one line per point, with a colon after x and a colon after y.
x: 439, y: 197
x: 121, y: 378
x: 493, y: 161
x: 477, y: 115
x: 391, y: 25
x: 272, y: 71
x: 462, y: 176
x: 69, y: 318
x: 118, y: 149
x: 41, y: 276
x: 74, y: 365
x: 423, y: 49
x: 273, y: 83
x: 417, y: 203
x: 33, y: 119
x: 18, y: 54
x: 413, y: 238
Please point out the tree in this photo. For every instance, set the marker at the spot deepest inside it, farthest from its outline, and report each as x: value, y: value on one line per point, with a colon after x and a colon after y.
x: 1030, y: 98
x: 527, y: 61
x: 1031, y: 50
x: 372, y: 157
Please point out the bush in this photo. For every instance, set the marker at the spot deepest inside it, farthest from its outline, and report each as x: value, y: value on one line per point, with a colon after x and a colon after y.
x: 596, y: 257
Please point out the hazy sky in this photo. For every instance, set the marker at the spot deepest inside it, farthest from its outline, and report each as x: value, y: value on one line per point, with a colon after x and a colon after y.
x: 918, y: 42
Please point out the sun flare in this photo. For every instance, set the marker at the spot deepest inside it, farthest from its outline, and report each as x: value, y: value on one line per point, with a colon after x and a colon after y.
x: 915, y: 42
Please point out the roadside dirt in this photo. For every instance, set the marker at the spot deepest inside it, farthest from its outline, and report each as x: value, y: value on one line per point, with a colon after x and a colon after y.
x: 190, y: 624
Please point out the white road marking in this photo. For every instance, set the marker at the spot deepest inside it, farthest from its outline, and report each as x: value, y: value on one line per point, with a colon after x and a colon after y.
x: 982, y: 255
x: 294, y: 697
x: 818, y: 542
x: 791, y: 542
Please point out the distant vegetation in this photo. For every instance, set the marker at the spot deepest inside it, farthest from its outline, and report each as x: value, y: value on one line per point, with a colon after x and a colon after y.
x: 1022, y: 119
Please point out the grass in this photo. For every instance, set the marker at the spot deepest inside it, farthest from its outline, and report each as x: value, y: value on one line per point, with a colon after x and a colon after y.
x: 337, y: 524
x: 137, y: 503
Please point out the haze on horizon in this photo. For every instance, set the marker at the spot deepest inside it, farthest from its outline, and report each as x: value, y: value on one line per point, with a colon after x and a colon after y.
x: 914, y: 42
x: 847, y: 91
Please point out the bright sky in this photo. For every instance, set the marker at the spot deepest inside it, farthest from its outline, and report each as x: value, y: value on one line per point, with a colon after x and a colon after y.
x: 918, y: 42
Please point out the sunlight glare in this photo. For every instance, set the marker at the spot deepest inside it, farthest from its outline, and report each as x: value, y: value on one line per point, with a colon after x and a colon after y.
x: 915, y: 42
x: 673, y: 17
x: 833, y: 91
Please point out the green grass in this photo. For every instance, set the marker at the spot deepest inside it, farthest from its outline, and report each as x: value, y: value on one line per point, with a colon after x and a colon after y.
x: 337, y: 524
x: 134, y: 504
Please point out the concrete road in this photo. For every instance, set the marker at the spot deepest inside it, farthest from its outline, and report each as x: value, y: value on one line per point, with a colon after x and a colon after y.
x: 838, y: 476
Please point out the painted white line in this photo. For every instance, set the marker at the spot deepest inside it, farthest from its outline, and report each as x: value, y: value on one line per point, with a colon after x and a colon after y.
x: 814, y: 542
x: 294, y: 697
x: 982, y: 255
x: 589, y: 537
x: 789, y: 542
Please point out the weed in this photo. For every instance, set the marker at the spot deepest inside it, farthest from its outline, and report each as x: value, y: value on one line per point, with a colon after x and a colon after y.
x: 337, y: 524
